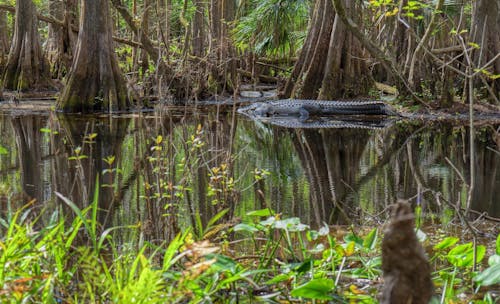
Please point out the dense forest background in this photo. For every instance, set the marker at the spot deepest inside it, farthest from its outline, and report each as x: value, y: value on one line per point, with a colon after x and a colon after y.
x: 117, y: 54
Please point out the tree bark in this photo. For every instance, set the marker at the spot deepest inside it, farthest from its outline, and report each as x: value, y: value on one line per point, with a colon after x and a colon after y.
x: 4, y: 39
x: 145, y: 32
x: 198, y: 30
x: 311, y: 40
x: 26, y: 67
x: 485, y: 32
x: 95, y: 82
x: 62, y: 39
x: 313, y: 70
x: 346, y: 73
x: 164, y: 7
x: 333, y: 66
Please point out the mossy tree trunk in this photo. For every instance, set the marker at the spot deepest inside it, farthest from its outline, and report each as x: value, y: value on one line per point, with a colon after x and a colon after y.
x: 331, y: 64
x: 95, y: 82
x: 26, y: 67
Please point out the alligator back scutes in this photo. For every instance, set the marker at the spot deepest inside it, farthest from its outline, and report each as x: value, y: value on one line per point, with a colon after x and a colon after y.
x: 306, y: 107
x: 339, y: 103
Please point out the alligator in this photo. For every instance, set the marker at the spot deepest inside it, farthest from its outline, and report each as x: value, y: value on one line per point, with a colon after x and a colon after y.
x: 304, y: 108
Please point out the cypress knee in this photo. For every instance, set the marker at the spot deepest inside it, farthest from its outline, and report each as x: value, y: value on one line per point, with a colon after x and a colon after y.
x: 407, y: 273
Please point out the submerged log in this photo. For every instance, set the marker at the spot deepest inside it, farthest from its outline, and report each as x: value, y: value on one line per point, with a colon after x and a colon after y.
x: 407, y: 274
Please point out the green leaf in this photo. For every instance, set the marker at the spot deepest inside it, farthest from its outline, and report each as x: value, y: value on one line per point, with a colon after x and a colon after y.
x: 304, y: 267
x: 223, y: 263
x: 280, y: 278
x: 494, y: 259
x: 261, y: 212
x: 446, y: 243
x: 463, y: 255
x: 292, y: 224
x: 217, y: 217
x: 246, y: 228
x: 319, y: 289
x: 490, y: 276
x: 351, y: 237
x: 370, y: 239
x: 3, y: 150
x: 498, y: 244
x: 474, y: 45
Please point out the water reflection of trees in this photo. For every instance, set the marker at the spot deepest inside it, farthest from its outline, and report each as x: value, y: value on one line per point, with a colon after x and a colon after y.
x: 331, y: 159
x: 354, y: 174
x: 329, y: 175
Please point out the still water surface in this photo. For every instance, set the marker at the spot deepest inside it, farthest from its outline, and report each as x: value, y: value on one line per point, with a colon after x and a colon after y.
x: 161, y: 170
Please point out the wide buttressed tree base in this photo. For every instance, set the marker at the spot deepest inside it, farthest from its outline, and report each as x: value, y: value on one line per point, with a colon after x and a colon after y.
x: 26, y: 68
x: 331, y: 64
x: 95, y: 82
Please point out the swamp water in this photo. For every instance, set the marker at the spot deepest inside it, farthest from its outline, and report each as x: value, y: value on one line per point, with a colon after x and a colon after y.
x: 165, y: 172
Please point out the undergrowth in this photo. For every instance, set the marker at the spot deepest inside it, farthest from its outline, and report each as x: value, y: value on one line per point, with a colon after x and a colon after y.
x: 265, y: 259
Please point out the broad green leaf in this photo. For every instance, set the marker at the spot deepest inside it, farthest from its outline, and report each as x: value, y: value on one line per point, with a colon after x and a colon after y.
x: 269, y: 221
x: 319, y: 289
x: 463, y: 255
x: 351, y: 237
x: 261, y: 212
x: 245, y: 227
x: 370, y: 239
x: 350, y: 249
x: 490, y: 276
x: 498, y: 244
x: 446, y: 243
x: 494, y: 259
x: 290, y: 224
x: 3, y: 150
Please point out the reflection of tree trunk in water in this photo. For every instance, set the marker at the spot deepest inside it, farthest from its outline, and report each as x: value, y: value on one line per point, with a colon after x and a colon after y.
x: 448, y: 145
x: 330, y: 159
x: 486, y: 191
x: 218, y: 152
x: 392, y: 143
x: 83, y: 172
x: 163, y: 227
x: 29, y: 146
x: 418, y: 177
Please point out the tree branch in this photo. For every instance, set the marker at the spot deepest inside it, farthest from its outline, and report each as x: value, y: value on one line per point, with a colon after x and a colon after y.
x: 61, y: 23
x: 423, y: 41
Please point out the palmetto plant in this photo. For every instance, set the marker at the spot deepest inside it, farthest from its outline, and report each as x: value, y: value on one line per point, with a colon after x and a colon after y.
x: 272, y: 27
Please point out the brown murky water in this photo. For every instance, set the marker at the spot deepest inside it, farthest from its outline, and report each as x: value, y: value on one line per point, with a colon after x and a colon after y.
x: 162, y: 170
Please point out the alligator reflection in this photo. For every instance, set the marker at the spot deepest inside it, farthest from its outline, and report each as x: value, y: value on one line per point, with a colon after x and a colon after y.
x: 167, y: 172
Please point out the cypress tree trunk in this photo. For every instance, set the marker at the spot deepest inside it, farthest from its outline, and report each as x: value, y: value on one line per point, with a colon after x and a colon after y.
x: 95, y: 82
x: 26, y: 68
x: 346, y: 73
x: 62, y: 40
x: 4, y: 39
x: 485, y: 32
x: 332, y: 65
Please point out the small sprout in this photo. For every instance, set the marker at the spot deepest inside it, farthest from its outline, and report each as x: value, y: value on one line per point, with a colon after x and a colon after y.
x: 109, y: 160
